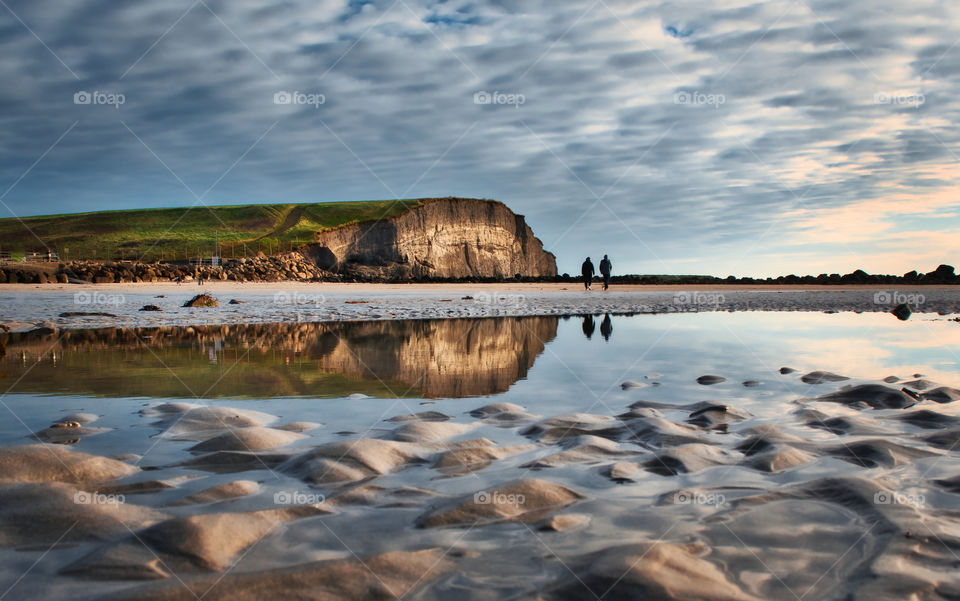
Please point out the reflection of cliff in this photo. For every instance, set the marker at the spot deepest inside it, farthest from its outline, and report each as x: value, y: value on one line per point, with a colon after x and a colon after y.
x: 435, y: 358
x: 443, y: 358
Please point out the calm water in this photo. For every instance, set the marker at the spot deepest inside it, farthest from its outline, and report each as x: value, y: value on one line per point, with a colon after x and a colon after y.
x: 353, y: 377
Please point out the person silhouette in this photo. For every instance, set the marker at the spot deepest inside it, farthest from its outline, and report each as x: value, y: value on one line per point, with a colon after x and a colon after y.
x: 588, y: 326
x: 605, y: 267
x: 606, y: 327
x: 587, y: 271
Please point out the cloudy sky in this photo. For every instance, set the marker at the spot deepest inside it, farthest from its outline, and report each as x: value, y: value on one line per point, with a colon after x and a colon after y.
x: 745, y: 138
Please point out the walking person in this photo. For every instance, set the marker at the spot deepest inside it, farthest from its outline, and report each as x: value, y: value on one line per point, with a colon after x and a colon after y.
x: 605, y: 267
x: 587, y: 271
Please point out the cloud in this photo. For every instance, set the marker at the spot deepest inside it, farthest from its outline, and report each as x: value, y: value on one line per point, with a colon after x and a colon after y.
x: 673, y: 136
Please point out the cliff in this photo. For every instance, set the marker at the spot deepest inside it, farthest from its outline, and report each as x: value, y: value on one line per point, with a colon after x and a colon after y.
x: 439, y: 238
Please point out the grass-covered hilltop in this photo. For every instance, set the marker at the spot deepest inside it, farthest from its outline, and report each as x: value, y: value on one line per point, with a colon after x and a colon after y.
x: 179, y: 233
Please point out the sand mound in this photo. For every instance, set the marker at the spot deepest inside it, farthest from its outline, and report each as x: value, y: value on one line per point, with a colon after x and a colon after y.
x: 688, y: 458
x: 35, y: 513
x: 819, y: 377
x: 622, y: 471
x: 391, y: 575
x: 225, y: 462
x: 919, y: 384
x: 211, y: 540
x: 220, y: 492
x: 948, y: 439
x: 941, y: 395
x: 66, y: 432
x: 877, y: 452
x: 521, y: 500
x: 715, y: 416
x: 778, y: 457
x: 495, y: 408
x: 470, y: 459
x: 584, y: 449
x: 875, y: 396
x: 247, y: 439
x: 658, y: 433
x: 654, y: 571
x: 48, y: 463
x: 572, y: 425
x: 929, y: 420
x: 561, y: 523
x: 423, y: 416
x: 198, y: 423
x: 381, y: 496
x: 298, y: 426
x: 351, y: 460
x: 429, y: 431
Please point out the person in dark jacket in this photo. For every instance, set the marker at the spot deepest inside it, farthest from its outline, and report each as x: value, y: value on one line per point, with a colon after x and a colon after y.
x: 605, y: 267
x: 587, y: 271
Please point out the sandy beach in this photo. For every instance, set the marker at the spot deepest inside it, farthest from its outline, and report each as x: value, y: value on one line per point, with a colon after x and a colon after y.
x: 24, y: 307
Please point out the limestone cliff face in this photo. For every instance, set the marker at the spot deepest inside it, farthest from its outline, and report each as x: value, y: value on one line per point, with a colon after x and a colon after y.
x: 441, y: 238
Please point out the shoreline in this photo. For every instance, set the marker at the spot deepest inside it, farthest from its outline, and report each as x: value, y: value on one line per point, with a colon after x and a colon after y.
x: 25, y: 307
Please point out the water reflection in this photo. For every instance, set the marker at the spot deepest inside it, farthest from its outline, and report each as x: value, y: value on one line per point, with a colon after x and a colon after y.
x: 588, y: 326
x: 606, y: 327
x: 428, y: 358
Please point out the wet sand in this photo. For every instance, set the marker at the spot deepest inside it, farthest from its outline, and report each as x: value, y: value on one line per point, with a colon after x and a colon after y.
x: 24, y: 307
x: 745, y: 479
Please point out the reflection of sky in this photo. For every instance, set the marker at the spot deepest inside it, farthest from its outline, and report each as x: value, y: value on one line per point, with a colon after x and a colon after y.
x: 739, y: 347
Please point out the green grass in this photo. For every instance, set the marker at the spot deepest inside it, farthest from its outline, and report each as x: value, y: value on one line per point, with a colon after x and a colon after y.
x: 178, y: 233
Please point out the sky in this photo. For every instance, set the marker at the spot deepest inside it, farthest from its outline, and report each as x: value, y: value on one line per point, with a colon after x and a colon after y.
x: 723, y: 138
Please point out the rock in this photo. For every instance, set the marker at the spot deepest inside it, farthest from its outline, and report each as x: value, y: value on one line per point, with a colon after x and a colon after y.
x: 819, y: 377
x: 47, y: 463
x: 150, y: 308
x: 901, y: 312
x: 254, y: 438
x: 86, y: 314
x: 632, y: 385
x: 710, y: 380
x: 751, y: 383
x: 202, y: 300
x: 891, y: 379
x: 234, y: 301
x: 423, y: 416
x: 525, y: 501
x: 787, y: 370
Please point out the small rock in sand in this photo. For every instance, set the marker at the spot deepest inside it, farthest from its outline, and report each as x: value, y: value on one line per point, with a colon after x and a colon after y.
x: 150, y: 308
x: 632, y: 385
x: 751, y: 383
x: 901, y: 312
x: 787, y: 370
x: 709, y: 380
x: 202, y: 300
x: 891, y: 379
